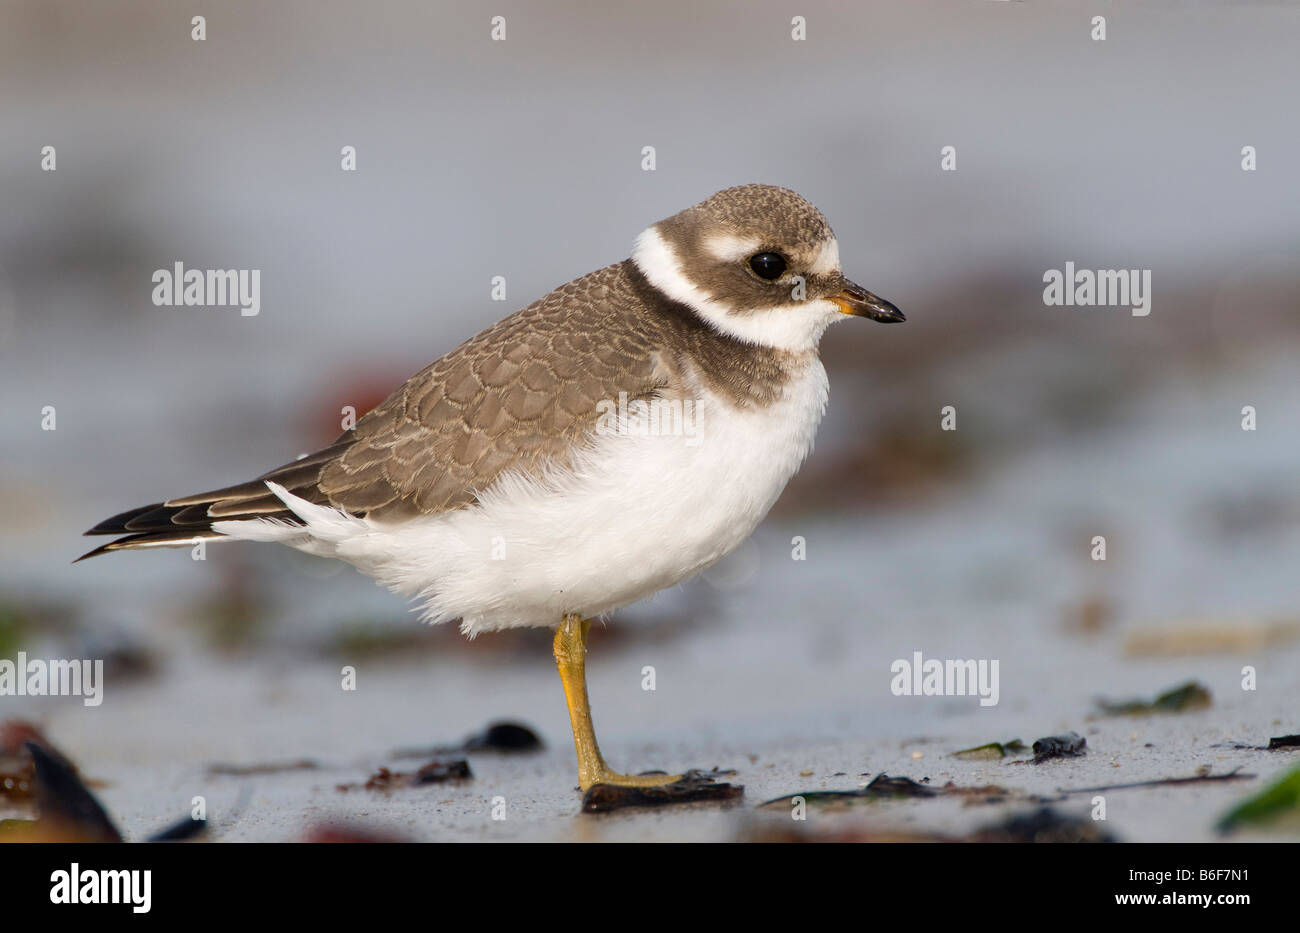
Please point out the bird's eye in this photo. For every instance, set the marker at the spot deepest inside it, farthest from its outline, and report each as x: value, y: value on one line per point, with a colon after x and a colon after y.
x: 767, y: 265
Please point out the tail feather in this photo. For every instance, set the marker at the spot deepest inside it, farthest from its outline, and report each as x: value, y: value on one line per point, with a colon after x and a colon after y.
x: 180, y: 522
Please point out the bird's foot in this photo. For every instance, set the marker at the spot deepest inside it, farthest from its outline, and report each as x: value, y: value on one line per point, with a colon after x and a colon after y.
x: 612, y: 778
x: 615, y: 791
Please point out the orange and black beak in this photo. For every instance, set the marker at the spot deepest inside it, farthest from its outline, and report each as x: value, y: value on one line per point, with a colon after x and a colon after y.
x: 856, y: 300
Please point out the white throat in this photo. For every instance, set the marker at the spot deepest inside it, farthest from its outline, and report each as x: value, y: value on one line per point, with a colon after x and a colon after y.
x: 789, y: 328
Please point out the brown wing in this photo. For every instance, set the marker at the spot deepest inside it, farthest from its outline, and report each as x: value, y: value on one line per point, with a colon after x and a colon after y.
x: 518, y: 396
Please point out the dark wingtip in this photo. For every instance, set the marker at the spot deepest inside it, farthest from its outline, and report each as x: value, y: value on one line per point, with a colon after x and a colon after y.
x: 116, y: 524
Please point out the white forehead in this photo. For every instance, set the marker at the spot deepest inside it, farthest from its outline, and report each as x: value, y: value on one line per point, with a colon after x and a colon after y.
x: 729, y: 247
x: 828, y: 257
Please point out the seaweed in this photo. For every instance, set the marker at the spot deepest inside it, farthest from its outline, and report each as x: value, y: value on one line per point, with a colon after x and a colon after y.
x: 1189, y: 696
x: 1277, y: 802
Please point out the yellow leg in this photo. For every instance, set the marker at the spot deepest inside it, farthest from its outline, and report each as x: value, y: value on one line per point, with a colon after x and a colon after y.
x: 571, y: 659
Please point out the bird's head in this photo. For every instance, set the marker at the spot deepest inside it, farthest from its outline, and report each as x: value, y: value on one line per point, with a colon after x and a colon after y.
x: 758, y: 263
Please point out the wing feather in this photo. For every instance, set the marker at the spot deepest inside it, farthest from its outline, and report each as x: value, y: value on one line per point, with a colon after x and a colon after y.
x: 520, y: 396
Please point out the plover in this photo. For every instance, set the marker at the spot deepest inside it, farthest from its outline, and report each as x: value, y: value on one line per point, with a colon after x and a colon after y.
x: 524, y: 480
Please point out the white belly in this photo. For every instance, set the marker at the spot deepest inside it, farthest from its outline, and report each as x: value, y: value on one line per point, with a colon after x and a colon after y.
x: 642, y: 513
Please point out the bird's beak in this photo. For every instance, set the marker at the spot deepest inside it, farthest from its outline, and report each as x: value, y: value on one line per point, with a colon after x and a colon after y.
x: 856, y: 300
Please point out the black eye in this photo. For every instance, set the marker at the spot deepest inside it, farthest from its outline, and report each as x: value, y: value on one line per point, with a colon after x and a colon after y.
x: 767, y: 265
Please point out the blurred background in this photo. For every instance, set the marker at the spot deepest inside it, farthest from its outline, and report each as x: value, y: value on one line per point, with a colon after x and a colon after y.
x: 522, y: 159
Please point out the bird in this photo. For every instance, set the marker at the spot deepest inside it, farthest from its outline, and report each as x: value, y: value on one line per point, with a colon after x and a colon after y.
x: 613, y: 438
